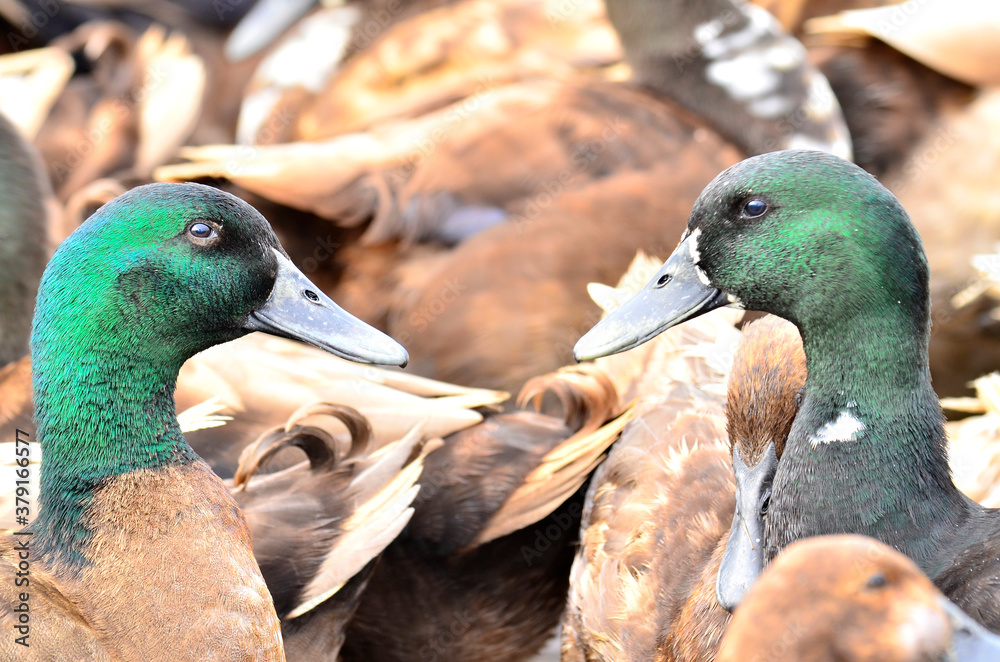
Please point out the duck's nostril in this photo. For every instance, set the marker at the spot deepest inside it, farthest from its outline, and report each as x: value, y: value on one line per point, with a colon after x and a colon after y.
x: 312, y: 296
x: 663, y: 280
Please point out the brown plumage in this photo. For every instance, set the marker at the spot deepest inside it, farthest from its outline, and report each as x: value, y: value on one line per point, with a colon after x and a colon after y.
x: 602, y: 182
x: 319, y: 526
x: 660, y: 507
x: 460, y: 582
x: 843, y: 599
x: 259, y: 382
x: 80, y: 613
x: 762, y: 394
x: 443, y: 55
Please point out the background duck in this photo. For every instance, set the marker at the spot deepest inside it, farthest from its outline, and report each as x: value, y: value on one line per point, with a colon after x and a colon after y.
x: 869, y: 417
x: 868, y: 603
x: 318, y: 527
x: 139, y: 493
x: 23, y: 240
x: 481, y: 571
x: 659, y: 509
x: 899, y: 112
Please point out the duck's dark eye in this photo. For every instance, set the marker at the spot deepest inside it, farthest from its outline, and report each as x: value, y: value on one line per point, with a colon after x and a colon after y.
x: 202, y: 233
x: 877, y: 580
x: 754, y: 208
x: 200, y: 230
x: 765, y: 503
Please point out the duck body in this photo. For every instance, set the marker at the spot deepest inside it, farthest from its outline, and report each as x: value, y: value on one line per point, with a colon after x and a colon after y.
x: 815, y: 240
x: 640, y: 591
x: 319, y: 526
x: 151, y: 279
x: 481, y: 571
x: 140, y: 545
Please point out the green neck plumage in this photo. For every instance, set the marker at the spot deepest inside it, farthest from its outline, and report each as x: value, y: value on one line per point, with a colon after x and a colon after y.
x: 868, y: 446
x: 105, y: 358
x: 93, y: 427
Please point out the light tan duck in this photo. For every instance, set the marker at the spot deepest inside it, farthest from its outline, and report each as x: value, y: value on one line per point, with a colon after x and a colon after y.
x: 849, y: 598
x: 660, y: 510
x: 422, y: 62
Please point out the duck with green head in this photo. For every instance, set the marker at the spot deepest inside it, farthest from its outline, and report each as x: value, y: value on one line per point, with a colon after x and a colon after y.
x: 816, y: 240
x: 138, y: 551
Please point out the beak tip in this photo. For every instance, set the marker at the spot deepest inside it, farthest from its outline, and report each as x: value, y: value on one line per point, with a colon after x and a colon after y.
x: 390, y: 356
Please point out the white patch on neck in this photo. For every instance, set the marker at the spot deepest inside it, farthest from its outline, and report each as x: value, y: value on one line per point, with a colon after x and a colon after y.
x: 846, y: 428
x: 734, y: 301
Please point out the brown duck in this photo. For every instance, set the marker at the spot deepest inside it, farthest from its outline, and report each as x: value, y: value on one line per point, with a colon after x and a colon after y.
x: 851, y: 599
x: 659, y: 509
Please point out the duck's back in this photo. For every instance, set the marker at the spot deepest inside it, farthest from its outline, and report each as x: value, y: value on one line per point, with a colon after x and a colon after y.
x: 663, y: 495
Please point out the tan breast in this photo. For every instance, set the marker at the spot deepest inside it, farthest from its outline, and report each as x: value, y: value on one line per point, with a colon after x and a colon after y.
x: 173, y: 575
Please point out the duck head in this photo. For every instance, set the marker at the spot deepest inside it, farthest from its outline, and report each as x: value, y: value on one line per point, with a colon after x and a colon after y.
x: 852, y: 598
x: 194, y: 267
x: 774, y: 233
x: 769, y: 371
x: 817, y: 241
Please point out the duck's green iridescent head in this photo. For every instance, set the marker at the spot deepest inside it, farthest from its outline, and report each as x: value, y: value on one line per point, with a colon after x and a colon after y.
x: 800, y: 234
x: 152, y: 278
x: 171, y: 269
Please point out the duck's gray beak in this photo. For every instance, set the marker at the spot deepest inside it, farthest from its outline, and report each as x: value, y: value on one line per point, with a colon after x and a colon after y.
x: 678, y: 292
x: 299, y: 310
x: 743, y: 560
x: 970, y: 641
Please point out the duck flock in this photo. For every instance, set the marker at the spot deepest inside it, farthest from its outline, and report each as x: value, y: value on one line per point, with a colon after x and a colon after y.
x: 500, y: 330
